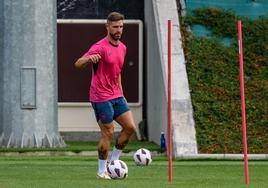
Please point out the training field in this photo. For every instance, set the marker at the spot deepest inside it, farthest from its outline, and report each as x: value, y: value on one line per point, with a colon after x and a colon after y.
x: 80, y: 172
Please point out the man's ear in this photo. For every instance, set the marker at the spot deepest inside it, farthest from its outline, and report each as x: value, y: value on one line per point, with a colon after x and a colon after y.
x: 107, y: 24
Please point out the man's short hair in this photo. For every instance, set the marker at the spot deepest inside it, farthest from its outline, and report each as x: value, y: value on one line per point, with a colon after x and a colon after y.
x: 115, y: 16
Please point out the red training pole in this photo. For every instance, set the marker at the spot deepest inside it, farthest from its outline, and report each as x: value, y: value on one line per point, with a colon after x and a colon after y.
x: 169, y: 106
x: 243, y: 107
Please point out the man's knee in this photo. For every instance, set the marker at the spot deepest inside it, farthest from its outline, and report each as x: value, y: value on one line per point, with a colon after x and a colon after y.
x: 108, y: 133
x: 131, y: 129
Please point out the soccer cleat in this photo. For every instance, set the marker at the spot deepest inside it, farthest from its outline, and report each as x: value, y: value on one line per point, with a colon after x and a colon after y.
x: 103, y: 175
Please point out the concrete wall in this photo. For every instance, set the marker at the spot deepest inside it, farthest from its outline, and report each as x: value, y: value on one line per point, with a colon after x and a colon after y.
x: 157, y: 13
x: 79, y: 123
x: 82, y: 119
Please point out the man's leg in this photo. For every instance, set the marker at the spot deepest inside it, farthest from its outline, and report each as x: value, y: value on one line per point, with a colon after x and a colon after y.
x: 107, y: 131
x: 104, y: 115
x: 128, y: 128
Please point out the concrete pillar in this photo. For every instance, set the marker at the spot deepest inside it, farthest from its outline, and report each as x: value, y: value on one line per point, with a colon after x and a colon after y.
x: 29, y: 74
x: 1, y: 64
x: 156, y: 77
x: 156, y: 18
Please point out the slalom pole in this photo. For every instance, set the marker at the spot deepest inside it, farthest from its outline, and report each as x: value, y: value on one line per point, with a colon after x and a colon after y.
x: 169, y: 106
x: 243, y: 107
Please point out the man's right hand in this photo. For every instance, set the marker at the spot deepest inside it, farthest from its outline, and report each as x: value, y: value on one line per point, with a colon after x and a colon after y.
x: 84, y: 61
x: 94, y: 58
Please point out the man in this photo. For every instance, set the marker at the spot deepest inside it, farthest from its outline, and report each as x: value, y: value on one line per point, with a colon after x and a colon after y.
x: 106, y: 95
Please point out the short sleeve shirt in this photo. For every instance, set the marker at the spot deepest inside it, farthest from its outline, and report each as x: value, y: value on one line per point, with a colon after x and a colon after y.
x: 105, y: 74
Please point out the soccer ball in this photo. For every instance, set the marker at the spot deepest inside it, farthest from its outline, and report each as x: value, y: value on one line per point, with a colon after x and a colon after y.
x: 117, y: 169
x: 142, y: 157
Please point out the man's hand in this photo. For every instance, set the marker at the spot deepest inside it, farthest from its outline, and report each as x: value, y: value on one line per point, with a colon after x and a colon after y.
x: 94, y: 58
x: 84, y: 61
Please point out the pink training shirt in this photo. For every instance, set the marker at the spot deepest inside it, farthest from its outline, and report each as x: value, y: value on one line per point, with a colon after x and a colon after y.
x: 105, y: 74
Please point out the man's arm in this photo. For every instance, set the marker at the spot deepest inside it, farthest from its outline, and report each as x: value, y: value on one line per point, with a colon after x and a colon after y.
x: 84, y: 61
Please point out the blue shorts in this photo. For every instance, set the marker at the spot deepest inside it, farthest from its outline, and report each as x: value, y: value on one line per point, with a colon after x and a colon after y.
x: 107, y: 111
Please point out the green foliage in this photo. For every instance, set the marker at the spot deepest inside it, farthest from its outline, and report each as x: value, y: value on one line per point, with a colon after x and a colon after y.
x: 213, y: 71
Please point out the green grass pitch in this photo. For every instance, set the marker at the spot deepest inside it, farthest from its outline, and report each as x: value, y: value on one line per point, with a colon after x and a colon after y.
x: 80, y: 172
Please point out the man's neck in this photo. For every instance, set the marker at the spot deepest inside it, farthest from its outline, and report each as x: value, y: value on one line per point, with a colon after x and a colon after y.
x: 114, y: 42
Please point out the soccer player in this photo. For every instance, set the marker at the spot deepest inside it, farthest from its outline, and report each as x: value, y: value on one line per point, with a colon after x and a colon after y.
x: 106, y: 95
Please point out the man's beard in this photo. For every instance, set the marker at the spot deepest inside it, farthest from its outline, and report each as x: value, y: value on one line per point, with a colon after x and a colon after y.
x: 115, y: 37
